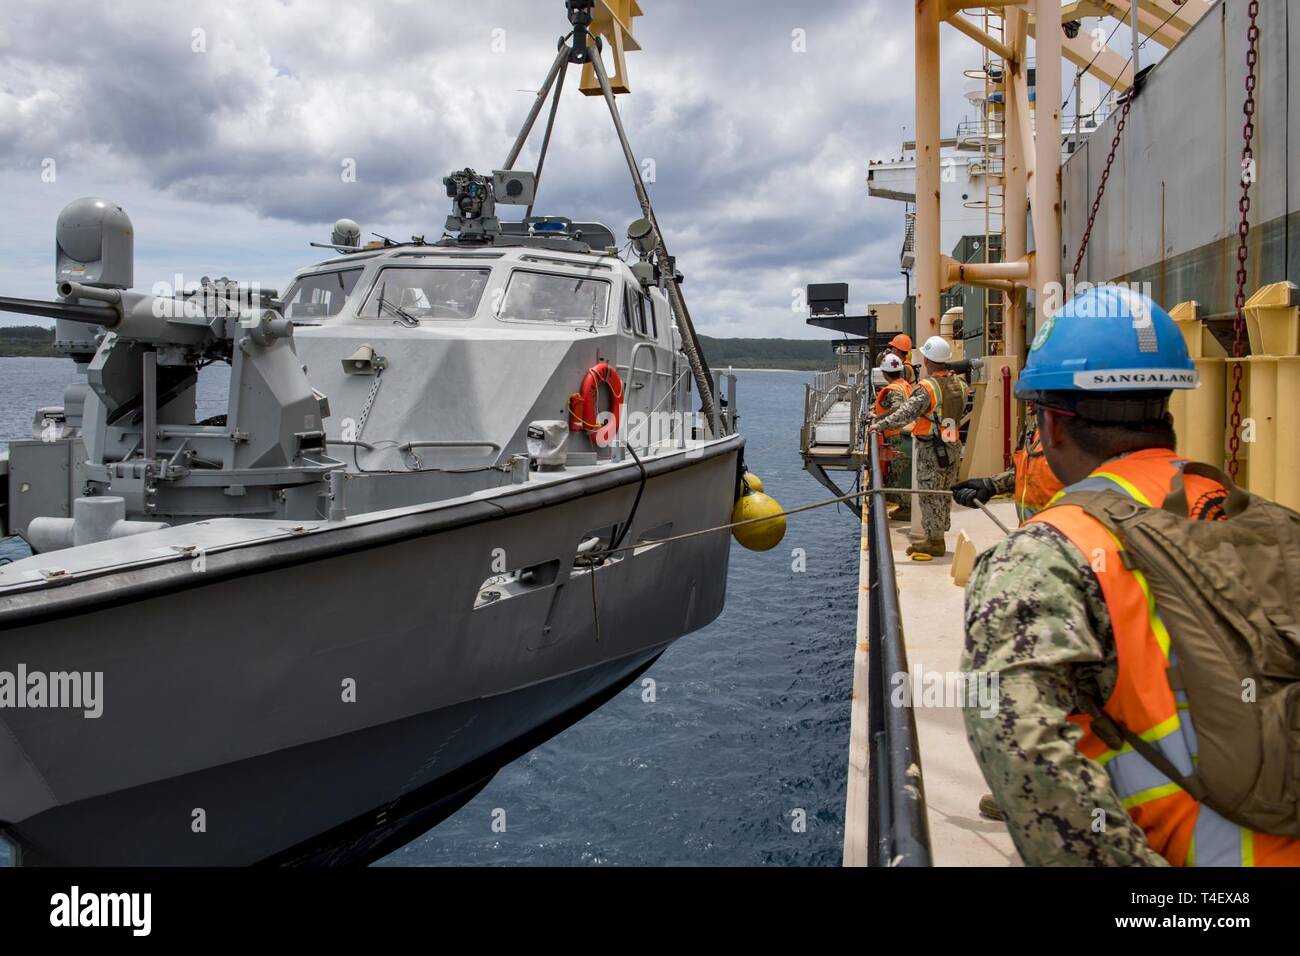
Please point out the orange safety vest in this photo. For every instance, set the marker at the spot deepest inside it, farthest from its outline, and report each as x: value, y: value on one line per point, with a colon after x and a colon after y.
x: 1036, y: 484
x: 897, y: 385
x: 938, y: 389
x: 1176, y: 825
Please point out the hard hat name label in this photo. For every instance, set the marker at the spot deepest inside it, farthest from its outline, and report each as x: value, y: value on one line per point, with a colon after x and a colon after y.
x: 1154, y: 378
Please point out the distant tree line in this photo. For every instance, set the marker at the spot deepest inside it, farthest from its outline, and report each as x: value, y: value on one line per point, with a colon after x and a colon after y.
x: 16, y: 340
x: 800, y: 354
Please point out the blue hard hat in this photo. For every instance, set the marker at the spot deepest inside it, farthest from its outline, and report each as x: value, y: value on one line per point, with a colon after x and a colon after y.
x: 1107, y: 339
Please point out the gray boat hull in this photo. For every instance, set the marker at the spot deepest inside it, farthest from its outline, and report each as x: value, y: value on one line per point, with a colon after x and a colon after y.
x: 229, y: 732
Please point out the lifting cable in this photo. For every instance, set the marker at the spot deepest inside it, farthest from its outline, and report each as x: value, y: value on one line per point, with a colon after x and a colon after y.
x: 546, y: 138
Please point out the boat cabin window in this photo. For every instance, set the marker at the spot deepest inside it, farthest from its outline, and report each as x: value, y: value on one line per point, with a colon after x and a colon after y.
x: 320, y: 295
x: 412, y: 294
x: 542, y: 297
x: 629, y: 309
x: 660, y: 311
x: 639, y: 314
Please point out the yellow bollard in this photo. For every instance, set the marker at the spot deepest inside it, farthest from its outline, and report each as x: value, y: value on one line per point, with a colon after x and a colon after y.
x: 1201, y: 342
x: 1288, y: 452
x: 1273, y: 320
x: 1269, y: 459
x: 1259, y: 425
x: 1200, y: 414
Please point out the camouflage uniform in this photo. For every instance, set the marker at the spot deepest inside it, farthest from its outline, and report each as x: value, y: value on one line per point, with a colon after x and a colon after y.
x: 935, y: 509
x: 1004, y: 483
x: 900, y: 465
x: 1035, y: 615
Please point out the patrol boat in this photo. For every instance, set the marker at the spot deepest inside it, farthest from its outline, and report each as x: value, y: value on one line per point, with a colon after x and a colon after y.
x: 439, y: 521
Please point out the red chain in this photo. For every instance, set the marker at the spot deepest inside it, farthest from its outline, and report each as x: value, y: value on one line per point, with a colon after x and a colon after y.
x: 1243, y: 234
x: 1105, y: 175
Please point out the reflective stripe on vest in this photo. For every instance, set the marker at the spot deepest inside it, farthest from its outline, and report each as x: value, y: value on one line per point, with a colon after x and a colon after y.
x: 1176, y: 826
x: 1036, y: 484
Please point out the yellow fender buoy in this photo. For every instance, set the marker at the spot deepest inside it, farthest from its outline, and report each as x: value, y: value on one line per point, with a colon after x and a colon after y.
x: 760, y: 535
x: 752, y: 481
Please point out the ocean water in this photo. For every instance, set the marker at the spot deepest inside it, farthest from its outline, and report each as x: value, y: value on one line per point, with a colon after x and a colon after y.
x: 747, y: 738
x: 26, y: 384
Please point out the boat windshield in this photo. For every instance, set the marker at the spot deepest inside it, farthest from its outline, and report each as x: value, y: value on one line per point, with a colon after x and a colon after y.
x: 320, y: 295
x: 425, y: 293
x: 544, y: 297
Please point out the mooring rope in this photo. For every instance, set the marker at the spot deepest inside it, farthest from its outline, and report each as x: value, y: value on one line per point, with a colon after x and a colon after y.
x: 802, y: 508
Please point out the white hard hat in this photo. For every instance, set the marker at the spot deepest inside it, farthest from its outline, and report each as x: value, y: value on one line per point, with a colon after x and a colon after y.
x: 937, y: 349
x: 891, y: 363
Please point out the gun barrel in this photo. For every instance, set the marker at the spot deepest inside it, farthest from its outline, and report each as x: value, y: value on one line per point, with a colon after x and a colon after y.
x: 75, y: 290
x: 88, y: 314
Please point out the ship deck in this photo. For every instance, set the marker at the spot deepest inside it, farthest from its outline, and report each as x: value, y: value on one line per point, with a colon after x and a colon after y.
x: 932, y: 612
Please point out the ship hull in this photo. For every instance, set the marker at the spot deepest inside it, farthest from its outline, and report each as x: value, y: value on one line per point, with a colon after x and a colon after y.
x: 322, y: 701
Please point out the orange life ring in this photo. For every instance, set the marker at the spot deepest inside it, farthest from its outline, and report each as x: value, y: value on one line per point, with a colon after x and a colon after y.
x: 582, y: 404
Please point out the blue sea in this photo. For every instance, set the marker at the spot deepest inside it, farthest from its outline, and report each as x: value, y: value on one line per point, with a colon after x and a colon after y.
x: 748, y: 735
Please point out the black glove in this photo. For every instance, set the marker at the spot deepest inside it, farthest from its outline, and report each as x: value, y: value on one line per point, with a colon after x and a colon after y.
x: 973, y: 492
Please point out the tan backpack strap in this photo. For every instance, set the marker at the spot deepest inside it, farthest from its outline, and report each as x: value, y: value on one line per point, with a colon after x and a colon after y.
x: 1176, y: 501
x: 1114, y: 735
x: 1111, y: 508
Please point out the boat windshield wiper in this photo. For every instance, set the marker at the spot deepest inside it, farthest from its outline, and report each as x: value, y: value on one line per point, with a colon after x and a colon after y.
x: 408, y: 320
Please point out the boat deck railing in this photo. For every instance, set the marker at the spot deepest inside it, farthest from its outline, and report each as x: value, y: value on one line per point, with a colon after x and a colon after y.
x: 898, y: 830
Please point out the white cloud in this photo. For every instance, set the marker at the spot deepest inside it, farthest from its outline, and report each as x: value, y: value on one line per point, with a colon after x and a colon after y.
x: 229, y: 160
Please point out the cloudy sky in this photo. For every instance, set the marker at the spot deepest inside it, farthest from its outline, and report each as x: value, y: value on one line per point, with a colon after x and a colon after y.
x: 222, y: 127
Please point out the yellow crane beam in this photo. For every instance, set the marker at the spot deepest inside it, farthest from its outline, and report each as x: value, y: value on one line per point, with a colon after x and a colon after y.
x: 1166, y: 34
x: 982, y: 37
x: 1108, y: 66
x: 1181, y: 18
x: 612, y: 20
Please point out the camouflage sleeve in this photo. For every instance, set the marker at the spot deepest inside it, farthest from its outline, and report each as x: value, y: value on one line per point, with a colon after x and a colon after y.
x: 893, y: 399
x: 1036, y: 618
x: 1005, y: 483
x: 917, y: 404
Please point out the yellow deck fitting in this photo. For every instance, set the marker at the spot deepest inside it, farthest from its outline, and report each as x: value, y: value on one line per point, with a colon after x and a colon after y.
x: 963, y: 559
